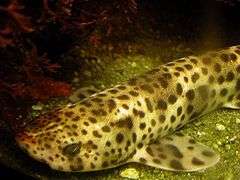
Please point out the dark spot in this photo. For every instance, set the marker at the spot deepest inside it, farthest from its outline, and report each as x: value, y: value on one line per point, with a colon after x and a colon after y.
x: 224, y: 57
x: 196, y: 161
x: 189, y: 109
x: 119, y: 138
x: 233, y: 57
x: 92, y: 119
x: 175, y: 151
x: 203, y: 91
x: 179, y: 134
x: 96, y: 100
x: 162, y: 118
x: 139, y: 103
x: 142, y: 126
x: 217, y: 67
x: 190, y: 95
x: 167, y: 75
x: 230, y: 98
x: 86, y: 123
x: 182, y: 117
x: 193, y: 60
x: 175, y: 164
x: 121, y: 87
x: 157, y: 161
x: 238, y: 69
x: 220, y: 79
x: 124, y: 123
x: 153, y: 122
x: 68, y: 114
x: 213, y: 93
x: 104, y: 164
x: 204, y: 71
x: 76, y: 118
x: 179, y: 69
x: 188, y: 66
x: 108, y: 143
x: 142, y: 160
x: 192, y: 141
x: 211, y: 79
x: 149, y: 105
x: 113, y: 91
x: 237, y: 87
x: 177, y: 74
x: 170, y: 64
x: 99, y: 112
x: 223, y: 92
x: 179, y: 89
x: 144, y: 136
x: 106, y: 154
x: 173, y: 119
x: 111, y: 105
x: 83, y: 131
x: 140, y: 145
x: 106, y: 129
x: 147, y: 88
x: 185, y: 79
x: 172, y: 99
x: 149, y: 151
x: 93, y: 165
x: 123, y: 97
x: 134, y: 137
x: 208, y: 153
x: 190, y: 147
x: 133, y: 93
x: 96, y: 134
x: 163, y: 82
x: 206, y: 60
x: 179, y: 110
x: 71, y: 149
x: 230, y: 76
x: 102, y: 95
x: 162, y: 104
x: 162, y: 156
x: 195, y: 77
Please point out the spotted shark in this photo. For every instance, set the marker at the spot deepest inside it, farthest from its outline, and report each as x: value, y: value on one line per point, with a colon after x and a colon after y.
x: 136, y: 121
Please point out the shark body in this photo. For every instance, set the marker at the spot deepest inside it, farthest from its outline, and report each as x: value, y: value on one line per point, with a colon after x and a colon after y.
x: 135, y: 121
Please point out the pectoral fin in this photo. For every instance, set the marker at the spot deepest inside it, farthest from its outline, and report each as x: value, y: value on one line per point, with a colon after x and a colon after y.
x: 233, y: 102
x: 177, y: 153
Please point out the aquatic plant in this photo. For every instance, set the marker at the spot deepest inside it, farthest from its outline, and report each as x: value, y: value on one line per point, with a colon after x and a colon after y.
x: 34, y: 34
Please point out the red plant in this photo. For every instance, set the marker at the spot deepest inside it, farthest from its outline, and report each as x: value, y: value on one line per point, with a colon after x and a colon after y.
x: 28, y: 75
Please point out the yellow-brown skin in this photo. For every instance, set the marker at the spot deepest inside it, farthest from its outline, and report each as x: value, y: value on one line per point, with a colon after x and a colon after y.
x: 108, y: 128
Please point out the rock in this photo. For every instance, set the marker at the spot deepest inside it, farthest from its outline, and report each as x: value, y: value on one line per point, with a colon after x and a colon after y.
x: 130, y: 173
x: 134, y: 64
x: 220, y: 127
x: 237, y: 121
x: 37, y: 107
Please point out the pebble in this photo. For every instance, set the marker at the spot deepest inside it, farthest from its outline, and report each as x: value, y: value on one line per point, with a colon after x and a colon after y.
x: 37, y: 107
x: 238, y: 121
x: 134, y: 64
x: 130, y: 173
x: 220, y: 127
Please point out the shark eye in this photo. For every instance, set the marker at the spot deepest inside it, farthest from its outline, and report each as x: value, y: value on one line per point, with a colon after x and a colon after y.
x: 71, y: 149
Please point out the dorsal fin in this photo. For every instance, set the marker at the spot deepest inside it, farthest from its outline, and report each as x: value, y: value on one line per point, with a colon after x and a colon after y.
x: 177, y: 153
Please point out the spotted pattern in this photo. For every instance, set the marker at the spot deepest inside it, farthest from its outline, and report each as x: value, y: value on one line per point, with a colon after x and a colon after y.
x: 111, y: 127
